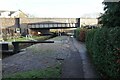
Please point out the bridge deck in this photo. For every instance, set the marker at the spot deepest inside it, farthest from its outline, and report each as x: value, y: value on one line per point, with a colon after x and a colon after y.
x: 53, y: 25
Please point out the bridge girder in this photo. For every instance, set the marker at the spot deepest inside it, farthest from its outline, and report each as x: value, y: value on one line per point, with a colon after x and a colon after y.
x: 53, y: 25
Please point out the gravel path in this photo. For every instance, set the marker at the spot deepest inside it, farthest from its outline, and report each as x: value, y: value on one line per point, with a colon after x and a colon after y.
x: 76, y: 62
x: 38, y: 56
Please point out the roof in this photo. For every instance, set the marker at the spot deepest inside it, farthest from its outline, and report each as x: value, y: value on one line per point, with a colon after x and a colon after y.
x: 11, y: 12
x: 1, y: 11
x: 111, y: 1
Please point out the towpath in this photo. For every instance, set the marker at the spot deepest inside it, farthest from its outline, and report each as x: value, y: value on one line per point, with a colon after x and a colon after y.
x: 76, y: 62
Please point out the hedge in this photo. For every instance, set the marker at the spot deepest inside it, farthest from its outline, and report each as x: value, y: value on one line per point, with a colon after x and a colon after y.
x: 79, y: 34
x: 104, y: 47
x: 89, y: 39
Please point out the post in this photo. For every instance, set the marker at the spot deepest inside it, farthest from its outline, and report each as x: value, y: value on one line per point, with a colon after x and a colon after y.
x: 16, y: 47
x: 79, y: 24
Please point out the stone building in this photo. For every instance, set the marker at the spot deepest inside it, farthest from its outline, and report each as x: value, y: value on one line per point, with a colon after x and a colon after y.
x: 12, y: 14
x: 88, y: 21
x: 10, y: 24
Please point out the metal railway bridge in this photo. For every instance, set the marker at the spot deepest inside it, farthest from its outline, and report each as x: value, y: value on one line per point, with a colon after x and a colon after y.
x: 53, y: 25
x: 44, y: 27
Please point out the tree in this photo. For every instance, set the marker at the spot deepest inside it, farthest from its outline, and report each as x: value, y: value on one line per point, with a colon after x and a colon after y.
x: 111, y: 17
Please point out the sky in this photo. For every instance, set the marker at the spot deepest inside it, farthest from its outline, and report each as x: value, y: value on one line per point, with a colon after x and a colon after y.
x: 54, y: 8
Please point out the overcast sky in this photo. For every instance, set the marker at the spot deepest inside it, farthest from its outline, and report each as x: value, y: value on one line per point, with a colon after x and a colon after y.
x: 54, y: 8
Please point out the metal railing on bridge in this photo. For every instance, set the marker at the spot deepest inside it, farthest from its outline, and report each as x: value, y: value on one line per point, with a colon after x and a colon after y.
x: 53, y: 25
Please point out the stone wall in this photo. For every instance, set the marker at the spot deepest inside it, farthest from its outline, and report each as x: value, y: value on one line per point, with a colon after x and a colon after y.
x: 37, y: 20
x: 7, y: 28
x: 88, y: 21
x: 7, y: 22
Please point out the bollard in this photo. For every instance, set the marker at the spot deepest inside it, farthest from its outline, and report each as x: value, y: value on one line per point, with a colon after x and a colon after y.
x: 16, y: 47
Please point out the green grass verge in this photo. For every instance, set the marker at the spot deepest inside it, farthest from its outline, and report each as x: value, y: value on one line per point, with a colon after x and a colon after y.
x: 26, y: 39
x: 39, y: 38
x: 18, y: 39
x: 51, y: 72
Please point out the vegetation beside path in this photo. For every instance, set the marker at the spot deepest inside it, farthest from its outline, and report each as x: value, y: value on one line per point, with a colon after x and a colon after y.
x: 50, y: 72
x: 103, y: 43
x: 39, y: 38
x: 37, y: 61
x: 22, y: 38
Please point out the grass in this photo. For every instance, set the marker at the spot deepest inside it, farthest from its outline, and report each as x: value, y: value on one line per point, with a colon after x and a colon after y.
x: 27, y: 44
x: 18, y: 39
x: 50, y: 72
x: 26, y: 39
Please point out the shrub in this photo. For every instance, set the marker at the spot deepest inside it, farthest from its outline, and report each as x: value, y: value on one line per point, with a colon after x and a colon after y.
x: 104, y: 47
x: 82, y: 34
x: 79, y: 34
x: 111, y: 18
x: 89, y: 39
